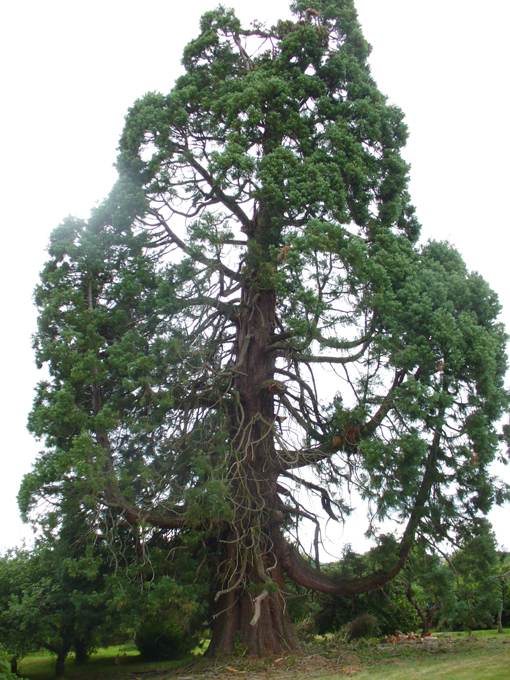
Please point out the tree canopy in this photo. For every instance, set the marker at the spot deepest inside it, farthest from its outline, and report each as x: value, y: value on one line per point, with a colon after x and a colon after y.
x: 248, y: 320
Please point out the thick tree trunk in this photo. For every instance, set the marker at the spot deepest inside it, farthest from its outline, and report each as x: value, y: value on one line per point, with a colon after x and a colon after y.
x: 60, y: 665
x: 253, y: 618
x: 426, y: 622
x: 251, y: 613
x: 80, y: 649
x: 502, y: 604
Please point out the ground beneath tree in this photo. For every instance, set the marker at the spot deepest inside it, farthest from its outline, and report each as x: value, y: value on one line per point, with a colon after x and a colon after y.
x: 330, y: 659
x: 346, y: 663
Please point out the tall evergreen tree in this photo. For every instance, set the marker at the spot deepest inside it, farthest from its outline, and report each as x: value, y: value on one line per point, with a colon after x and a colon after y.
x: 292, y: 337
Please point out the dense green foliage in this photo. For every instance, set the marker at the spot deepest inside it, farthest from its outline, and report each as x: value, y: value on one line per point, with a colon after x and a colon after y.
x: 56, y: 596
x: 70, y: 594
x: 5, y: 666
x: 15, y: 642
x: 388, y: 605
x: 477, y: 591
x: 429, y: 582
x: 248, y: 318
x: 434, y: 591
x: 162, y: 641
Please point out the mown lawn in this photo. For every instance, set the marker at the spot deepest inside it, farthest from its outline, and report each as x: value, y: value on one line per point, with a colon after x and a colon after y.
x: 484, y: 655
x: 476, y: 657
x: 113, y: 661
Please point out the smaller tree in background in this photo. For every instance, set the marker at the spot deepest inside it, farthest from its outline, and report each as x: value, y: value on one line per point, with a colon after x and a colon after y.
x: 504, y: 584
x: 467, y: 590
x: 162, y: 614
x: 16, y: 643
x: 61, y: 599
x: 477, y: 589
x: 429, y: 587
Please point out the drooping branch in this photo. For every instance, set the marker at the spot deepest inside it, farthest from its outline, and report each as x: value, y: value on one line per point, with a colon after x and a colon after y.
x: 334, y: 343
x: 113, y: 498
x: 326, y: 501
x: 300, y: 571
x: 347, y: 440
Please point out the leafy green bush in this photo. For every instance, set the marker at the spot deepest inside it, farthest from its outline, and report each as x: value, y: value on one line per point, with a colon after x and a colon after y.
x: 164, y: 641
x: 5, y: 666
x: 173, y: 619
x: 364, y: 626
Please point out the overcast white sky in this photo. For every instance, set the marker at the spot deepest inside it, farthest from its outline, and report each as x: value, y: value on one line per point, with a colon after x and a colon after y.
x: 70, y: 70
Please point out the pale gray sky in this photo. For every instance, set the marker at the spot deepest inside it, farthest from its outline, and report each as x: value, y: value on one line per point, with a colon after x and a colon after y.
x: 70, y: 70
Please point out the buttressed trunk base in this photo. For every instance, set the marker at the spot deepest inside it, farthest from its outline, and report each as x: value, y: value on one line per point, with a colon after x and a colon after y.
x: 255, y: 621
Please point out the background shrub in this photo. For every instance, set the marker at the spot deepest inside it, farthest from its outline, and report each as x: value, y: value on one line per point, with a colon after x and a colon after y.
x: 364, y: 626
x: 157, y: 641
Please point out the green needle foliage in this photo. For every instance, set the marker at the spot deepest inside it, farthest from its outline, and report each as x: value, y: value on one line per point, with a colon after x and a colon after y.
x: 248, y: 319
x: 55, y: 596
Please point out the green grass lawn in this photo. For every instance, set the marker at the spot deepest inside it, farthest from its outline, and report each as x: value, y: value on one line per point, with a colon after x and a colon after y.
x: 105, y: 662
x: 480, y: 656
x: 484, y: 655
x: 485, y: 659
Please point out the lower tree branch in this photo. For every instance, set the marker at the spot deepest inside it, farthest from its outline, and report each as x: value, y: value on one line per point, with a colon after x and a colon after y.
x: 302, y: 573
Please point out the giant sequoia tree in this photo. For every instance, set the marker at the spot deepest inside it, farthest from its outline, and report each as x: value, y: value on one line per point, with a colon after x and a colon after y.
x: 248, y: 318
